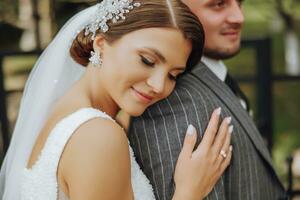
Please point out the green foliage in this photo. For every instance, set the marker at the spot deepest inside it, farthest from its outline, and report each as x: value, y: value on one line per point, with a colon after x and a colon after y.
x: 286, y: 95
x: 8, y: 10
x: 268, y: 9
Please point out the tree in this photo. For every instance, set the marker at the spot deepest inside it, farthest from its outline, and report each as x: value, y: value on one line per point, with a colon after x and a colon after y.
x: 8, y: 11
x: 286, y: 9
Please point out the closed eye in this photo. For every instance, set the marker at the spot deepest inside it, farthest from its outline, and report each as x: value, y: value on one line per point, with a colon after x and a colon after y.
x: 147, y: 61
x: 172, y: 77
x: 175, y: 75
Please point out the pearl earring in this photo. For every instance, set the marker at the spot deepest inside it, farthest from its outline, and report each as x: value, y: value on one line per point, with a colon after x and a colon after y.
x: 95, y: 59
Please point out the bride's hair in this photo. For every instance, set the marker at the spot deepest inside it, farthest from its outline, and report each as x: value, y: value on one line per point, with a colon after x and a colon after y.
x: 151, y: 13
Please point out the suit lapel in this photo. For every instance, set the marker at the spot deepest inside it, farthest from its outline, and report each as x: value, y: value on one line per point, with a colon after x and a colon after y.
x: 223, y: 92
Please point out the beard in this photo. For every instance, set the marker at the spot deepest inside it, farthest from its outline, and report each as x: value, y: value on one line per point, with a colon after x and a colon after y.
x: 221, y: 54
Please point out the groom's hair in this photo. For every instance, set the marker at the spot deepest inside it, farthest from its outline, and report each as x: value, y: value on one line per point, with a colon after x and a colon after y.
x: 151, y: 14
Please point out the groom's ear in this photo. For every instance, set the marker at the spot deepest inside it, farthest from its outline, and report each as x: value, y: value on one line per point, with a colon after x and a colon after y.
x: 99, y: 42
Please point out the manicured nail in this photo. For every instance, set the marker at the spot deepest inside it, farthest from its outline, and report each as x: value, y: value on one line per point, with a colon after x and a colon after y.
x: 190, y: 130
x: 228, y: 120
x: 230, y: 129
x: 230, y: 148
x: 218, y: 110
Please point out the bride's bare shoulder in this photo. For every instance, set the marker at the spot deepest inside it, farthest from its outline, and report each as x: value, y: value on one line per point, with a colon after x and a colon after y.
x: 98, y: 137
x: 97, y: 154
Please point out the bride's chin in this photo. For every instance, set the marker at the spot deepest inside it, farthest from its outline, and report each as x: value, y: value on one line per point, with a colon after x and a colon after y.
x: 135, y: 112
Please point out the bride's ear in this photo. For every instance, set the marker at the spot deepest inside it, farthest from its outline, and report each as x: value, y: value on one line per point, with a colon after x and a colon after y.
x: 99, y: 42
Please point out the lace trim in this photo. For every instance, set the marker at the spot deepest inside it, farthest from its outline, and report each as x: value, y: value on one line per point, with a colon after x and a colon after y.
x: 142, y: 188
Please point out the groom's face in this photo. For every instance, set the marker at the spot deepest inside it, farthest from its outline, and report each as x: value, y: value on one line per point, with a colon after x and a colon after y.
x: 222, y: 21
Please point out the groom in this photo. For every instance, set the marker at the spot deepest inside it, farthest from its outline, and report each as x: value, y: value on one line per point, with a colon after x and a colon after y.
x: 158, y: 134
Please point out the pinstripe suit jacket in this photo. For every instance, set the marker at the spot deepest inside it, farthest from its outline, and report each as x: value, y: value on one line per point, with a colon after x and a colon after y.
x: 158, y: 134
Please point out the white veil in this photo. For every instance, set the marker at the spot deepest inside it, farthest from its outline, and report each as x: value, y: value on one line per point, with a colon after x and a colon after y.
x: 53, y: 74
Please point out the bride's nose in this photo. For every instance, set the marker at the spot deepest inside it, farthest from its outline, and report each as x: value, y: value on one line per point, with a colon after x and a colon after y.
x: 157, y: 82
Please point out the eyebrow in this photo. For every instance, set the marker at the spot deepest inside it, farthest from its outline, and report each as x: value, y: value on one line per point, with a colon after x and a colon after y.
x: 163, y: 59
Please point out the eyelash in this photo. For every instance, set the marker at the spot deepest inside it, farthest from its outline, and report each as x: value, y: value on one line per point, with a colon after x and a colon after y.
x: 148, y: 63
x: 172, y: 78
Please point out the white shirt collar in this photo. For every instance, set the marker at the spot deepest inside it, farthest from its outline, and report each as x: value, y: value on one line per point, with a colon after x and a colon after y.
x: 216, y: 66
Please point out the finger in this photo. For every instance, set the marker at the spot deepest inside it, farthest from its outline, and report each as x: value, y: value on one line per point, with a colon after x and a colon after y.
x: 226, y: 146
x: 189, y: 141
x: 222, y: 136
x: 226, y: 162
x: 211, y: 129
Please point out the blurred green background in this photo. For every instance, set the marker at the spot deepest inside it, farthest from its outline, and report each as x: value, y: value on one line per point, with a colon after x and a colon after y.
x: 262, y: 19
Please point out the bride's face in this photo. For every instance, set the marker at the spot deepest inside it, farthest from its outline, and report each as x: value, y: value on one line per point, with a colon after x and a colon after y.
x: 141, y: 68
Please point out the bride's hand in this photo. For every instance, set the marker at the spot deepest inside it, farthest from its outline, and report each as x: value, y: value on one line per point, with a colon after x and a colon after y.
x: 197, y: 171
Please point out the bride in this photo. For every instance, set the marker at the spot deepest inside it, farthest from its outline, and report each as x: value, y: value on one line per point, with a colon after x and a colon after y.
x: 118, y: 54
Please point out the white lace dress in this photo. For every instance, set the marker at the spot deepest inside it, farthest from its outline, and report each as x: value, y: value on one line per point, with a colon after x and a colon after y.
x: 40, y: 181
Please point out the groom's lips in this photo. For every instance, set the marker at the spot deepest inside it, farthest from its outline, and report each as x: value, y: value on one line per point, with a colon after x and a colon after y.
x: 232, y: 33
x: 142, y: 96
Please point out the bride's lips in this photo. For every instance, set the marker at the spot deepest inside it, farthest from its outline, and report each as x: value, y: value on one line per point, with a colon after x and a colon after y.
x: 142, y: 96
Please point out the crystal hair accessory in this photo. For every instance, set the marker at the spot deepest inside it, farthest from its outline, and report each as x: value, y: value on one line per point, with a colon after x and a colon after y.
x: 107, y: 10
x: 95, y: 59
